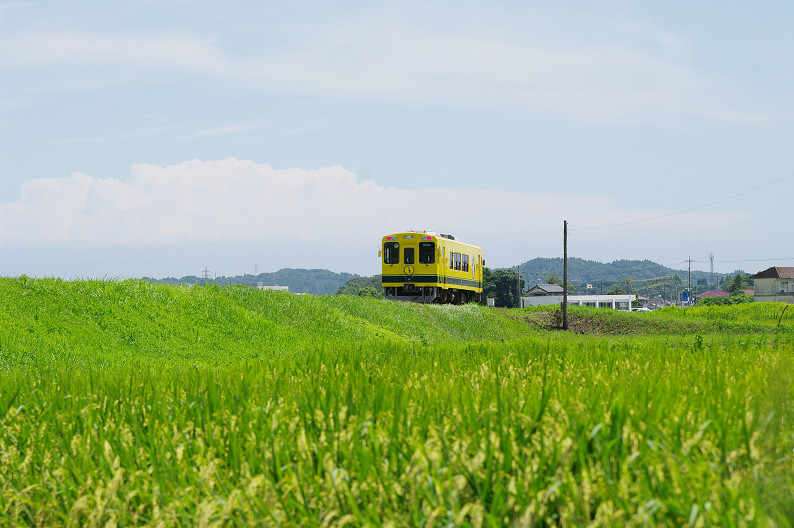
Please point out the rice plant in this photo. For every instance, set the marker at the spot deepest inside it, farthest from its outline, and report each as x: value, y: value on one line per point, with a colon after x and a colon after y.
x: 127, y: 404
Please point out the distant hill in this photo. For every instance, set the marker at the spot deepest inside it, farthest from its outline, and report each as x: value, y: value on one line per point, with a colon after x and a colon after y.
x: 314, y: 281
x: 649, y: 278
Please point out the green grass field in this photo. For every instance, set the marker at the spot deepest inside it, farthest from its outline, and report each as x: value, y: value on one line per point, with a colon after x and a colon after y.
x: 129, y: 404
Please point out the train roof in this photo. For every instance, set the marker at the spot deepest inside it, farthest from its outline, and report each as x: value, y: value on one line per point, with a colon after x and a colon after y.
x: 438, y: 236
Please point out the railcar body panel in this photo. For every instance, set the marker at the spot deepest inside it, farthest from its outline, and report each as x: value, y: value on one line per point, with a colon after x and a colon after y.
x: 429, y: 268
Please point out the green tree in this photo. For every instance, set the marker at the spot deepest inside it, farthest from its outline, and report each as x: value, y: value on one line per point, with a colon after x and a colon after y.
x: 714, y: 301
x: 501, y: 284
x: 741, y: 297
x: 369, y: 291
x: 552, y: 278
x: 734, y: 285
x: 366, y: 286
x: 488, y: 287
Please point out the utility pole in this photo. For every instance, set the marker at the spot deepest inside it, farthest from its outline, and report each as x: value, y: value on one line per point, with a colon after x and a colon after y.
x: 518, y: 286
x: 565, y: 275
x: 689, y: 288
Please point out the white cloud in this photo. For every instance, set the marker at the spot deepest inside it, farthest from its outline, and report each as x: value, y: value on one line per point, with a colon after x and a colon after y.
x: 596, y: 78
x: 628, y: 70
x: 232, y: 201
x: 184, y: 52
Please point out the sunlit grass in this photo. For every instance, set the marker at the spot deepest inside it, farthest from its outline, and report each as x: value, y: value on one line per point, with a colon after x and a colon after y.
x: 124, y: 403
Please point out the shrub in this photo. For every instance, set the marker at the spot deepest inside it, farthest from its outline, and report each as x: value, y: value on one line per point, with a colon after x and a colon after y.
x: 714, y: 301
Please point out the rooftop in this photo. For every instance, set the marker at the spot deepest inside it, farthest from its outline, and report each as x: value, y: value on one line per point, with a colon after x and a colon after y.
x: 545, y: 289
x: 775, y: 272
x: 714, y: 293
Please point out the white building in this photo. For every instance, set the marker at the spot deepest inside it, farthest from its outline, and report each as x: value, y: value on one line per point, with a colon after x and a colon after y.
x: 775, y: 284
x: 615, y: 302
x: 261, y: 286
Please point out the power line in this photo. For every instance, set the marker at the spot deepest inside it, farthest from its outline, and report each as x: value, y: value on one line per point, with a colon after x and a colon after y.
x: 685, y: 210
x: 746, y: 260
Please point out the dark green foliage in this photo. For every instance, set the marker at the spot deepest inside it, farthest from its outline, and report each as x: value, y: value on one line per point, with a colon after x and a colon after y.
x: 554, y: 279
x: 488, y: 286
x: 714, y: 301
x: 734, y: 285
x: 502, y: 284
x: 734, y: 298
x: 365, y: 286
x: 739, y: 297
x: 369, y: 291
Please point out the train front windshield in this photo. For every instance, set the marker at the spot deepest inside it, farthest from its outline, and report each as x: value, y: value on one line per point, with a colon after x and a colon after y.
x: 391, y: 253
x: 427, y: 252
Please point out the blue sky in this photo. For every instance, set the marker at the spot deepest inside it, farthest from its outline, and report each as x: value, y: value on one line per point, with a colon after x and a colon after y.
x: 154, y: 138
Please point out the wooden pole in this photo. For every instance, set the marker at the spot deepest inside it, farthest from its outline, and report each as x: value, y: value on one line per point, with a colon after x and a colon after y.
x: 565, y: 275
x: 518, y: 287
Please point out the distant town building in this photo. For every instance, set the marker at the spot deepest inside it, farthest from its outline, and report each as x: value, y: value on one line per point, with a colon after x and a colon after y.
x: 545, y: 289
x: 775, y: 284
x: 653, y: 303
x: 714, y: 293
x: 615, y: 302
x: 261, y: 286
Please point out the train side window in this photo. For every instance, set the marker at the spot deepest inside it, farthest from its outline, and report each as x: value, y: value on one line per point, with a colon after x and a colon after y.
x: 452, y: 260
x: 465, y: 263
x: 427, y: 252
x: 457, y: 261
x: 391, y: 253
x: 408, y: 255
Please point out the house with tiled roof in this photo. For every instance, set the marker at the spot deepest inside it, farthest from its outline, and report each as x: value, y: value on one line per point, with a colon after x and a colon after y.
x: 713, y: 293
x: 544, y: 290
x: 775, y: 284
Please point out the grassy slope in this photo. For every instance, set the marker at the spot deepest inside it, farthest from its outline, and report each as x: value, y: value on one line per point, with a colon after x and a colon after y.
x: 49, y: 322
x: 90, y: 320
x: 107, y: 320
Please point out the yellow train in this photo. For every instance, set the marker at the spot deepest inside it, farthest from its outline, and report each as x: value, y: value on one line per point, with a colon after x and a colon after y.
x: 424, y: 267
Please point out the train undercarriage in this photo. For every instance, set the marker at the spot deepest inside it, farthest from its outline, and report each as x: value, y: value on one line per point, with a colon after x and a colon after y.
x: 430, y: 294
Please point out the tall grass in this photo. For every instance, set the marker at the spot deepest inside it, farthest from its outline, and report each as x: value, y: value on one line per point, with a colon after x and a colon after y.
x: 264, y: 417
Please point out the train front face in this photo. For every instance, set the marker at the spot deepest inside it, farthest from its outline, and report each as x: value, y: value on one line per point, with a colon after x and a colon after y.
x: 411, y: 267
